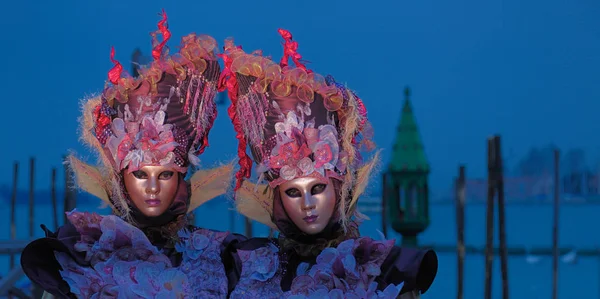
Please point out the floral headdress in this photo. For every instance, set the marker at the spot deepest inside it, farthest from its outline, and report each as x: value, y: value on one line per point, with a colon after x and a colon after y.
x: 162, y: 117
x: 297, y: 124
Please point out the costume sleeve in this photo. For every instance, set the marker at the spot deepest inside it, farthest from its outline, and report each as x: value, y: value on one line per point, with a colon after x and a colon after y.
x: 417, y: 268
x: 39, y: 262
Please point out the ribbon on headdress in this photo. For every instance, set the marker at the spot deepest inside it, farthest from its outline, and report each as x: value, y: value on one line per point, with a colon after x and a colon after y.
x: 115, y: 72
x: 228, y: 81
x: 166, y: 34
x: 290, y: 50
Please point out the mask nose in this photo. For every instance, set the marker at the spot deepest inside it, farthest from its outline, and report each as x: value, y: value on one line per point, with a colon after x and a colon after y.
x: 153, y: 187
x: 308, y: 203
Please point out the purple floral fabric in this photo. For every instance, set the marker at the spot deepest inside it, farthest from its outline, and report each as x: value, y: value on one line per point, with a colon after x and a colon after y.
x: 124, y: 264
x: 347, y: 271
x: 260, y: 277
x: 202, y: 262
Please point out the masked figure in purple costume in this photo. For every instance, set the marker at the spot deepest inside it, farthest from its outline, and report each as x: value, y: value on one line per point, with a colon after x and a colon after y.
x: 305, y: 133
x: 148, y: 131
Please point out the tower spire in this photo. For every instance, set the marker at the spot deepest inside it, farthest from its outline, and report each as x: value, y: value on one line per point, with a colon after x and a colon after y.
x: 408, y: 151
x: 406, y: 191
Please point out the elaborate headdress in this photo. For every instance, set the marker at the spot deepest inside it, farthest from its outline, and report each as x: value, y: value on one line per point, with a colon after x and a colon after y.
x: 297, y: 124
x: 161, y: 117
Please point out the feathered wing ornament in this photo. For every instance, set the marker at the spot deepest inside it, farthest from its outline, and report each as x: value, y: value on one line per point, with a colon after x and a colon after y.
x: 362, y: 179
x: 89, y: 179
x: 255, y: 202
x: 87, y: 122
x: 208, y: 184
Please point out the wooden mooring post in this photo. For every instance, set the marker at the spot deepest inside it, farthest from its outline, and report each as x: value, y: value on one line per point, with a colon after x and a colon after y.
x: 489, y: 225
x: 271, y: 232
x: 7, y: 284
x: 460, y: 186
x: 232, y: 219
x: 499, y: 170
x: 495, y: 188
x: 555, y: 251
x: 13, y: 214
x: 248, y: 223
x: 70, y: 196
x: 36, y: 291
x: 53, y: 195
x: 13, y: 246
x: 31, y: 194
x: 384, y: 213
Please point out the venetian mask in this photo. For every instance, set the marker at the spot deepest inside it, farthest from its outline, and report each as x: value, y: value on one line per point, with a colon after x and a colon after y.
x: 309, y: 202
x: 152, y: 189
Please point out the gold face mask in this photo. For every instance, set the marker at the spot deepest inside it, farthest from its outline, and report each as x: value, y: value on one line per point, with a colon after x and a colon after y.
x: 152, y: 189
x: 309, y: 202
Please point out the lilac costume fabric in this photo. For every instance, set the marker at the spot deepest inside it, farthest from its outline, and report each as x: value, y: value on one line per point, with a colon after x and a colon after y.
x: 260, y: 273
x: 356, y: 268
x: 97, y: 255
x: 297, y: 266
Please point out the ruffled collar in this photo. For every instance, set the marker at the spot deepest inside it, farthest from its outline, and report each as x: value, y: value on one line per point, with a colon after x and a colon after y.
x: 165, y: 236
x: 345, y: 271
x: 311, y: 248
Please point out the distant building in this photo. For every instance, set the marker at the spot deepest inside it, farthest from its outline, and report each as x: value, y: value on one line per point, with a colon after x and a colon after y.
x: 578, y: 186
x: 515, y: 189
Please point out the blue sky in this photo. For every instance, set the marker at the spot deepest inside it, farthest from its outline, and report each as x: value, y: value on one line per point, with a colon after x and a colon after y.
x: 528, y: 70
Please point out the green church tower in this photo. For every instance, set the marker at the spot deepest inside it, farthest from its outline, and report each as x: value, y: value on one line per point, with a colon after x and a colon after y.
x: 405, y: 182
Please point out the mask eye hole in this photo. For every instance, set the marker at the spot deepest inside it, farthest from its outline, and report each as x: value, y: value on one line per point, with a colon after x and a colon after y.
x: 293, y: 192
x: 139, y: 174
x: 318, y: 189
x: 165, y: 175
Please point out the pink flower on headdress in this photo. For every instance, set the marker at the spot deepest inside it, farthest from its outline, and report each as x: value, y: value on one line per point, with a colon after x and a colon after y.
x: 288, y: 156
x: 296, y: 143
x: 148, y: 141
x: 153, y: 126
x: 124, y: 147
x: 326, y: 150
x: 133, y: 160
x: 290, y: 123
x: 306, y: 165
x: 323, y: 155
x: 311, y: 135
x: 119, y: 143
